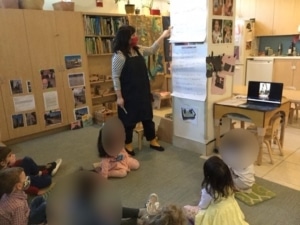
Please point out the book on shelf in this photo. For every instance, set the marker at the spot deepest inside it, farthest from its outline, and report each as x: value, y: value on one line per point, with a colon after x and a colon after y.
x: 107, y: 45
x: 92, y: 25
x: 93, y: 45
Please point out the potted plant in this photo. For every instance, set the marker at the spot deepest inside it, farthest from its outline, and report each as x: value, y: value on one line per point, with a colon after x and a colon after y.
x: 129, y: 8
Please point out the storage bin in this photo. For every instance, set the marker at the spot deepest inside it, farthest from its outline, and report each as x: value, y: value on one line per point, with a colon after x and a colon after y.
x: 9, y: 4
x: 32, y: 4
x: 63, y: 6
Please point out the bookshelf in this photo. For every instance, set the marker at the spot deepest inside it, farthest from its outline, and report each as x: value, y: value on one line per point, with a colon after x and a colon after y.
x: 100, y: 30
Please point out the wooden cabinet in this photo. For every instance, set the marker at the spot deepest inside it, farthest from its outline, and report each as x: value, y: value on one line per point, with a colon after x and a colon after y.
x: 100, y: 30
x: 70, y: 44
x: 264, y: 17
x: 245, y: 9
x: 284, y: 21
x: 3, y: 125
x: 17, y: 77
x: 287, y: 71
x: 36, y: 85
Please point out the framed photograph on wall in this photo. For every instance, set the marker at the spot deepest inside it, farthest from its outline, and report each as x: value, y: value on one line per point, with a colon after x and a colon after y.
x: 79, y: 112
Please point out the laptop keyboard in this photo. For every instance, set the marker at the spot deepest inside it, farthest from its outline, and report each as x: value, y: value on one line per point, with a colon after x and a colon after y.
x: 259, y: 107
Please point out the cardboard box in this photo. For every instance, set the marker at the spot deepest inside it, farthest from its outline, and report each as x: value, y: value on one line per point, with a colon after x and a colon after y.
x: 165, y: 130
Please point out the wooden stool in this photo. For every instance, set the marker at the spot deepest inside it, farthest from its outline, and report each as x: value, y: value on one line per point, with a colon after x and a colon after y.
x: 140, y: 132
x: 161, y: 96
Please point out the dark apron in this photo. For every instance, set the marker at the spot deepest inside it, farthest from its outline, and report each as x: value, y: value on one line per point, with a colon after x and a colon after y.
x: 135, y: 89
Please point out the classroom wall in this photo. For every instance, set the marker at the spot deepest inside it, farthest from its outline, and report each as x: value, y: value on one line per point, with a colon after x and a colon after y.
x: 109, y: 6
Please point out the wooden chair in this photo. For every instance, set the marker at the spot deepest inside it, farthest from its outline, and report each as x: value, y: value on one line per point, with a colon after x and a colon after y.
x: 159, y: 92
x: 272, y: 134
x: 139, y: 130
x: 294, y: 108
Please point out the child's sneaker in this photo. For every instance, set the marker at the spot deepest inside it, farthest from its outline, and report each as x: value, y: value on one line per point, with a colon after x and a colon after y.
x: 57, y: 165
x: 152, y: 205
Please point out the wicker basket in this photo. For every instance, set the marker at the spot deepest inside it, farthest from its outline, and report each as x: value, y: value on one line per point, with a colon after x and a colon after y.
x: 32, y: 4
x: 63, y: 6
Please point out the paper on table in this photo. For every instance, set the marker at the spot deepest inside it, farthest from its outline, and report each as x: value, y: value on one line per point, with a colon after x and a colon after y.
x: 233, y: 102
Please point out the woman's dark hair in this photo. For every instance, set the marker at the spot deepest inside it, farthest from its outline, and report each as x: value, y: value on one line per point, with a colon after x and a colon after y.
x: 122, y: 38
x: 101, y: 150
x: 217, y: 178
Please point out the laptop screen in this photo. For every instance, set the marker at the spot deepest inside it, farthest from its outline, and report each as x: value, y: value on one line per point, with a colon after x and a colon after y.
x: 264, y: 92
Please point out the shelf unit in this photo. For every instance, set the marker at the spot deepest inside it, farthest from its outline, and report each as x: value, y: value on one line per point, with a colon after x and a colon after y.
x: 100, y: 29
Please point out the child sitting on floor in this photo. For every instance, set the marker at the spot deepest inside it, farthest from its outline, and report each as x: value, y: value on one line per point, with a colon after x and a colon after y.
x: 14, y: 209
x: 40, y: 176
x: 217, y: 204
x: 115, y: 161
x: 239, y: 149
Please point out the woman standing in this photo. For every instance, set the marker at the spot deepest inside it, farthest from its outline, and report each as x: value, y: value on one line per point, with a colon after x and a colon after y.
x: 132, y: 86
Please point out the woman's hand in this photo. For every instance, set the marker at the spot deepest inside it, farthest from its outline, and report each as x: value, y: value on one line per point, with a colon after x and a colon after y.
x: 167, y: 33
x: 120, y: 102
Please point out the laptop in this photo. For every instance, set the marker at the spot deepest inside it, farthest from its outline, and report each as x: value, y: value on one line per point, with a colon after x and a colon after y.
x: 263, y: 96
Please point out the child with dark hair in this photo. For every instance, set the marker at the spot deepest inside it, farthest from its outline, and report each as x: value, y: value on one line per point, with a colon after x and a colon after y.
x: 40, y: 176
x: 217, y: 204
x: 115, y: 161
x: 14, y: 209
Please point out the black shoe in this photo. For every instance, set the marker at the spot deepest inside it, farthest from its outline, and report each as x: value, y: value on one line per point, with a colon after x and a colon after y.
x: 132, y: 152
x: 157, y: 148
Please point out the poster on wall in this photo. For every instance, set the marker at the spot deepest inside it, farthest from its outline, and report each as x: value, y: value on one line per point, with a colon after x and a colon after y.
x: 182, y: 21
x: 79, y: 112
x: 217, y: 30
x: 227, y: 31
x: 16, y: 86
x: 189, y: 114
x: 31, y: 118
x: 221, y: 31
x: 218, y: 83
x: 79, y: 96
x: 50, y: 100
x: 48, y: 78
x: 52, y: 117
x: 24, y: 103
x: 189, y: 71
x: 73, y: 61
x: 228, y: 64
x: 76, y: 79
x: 17, y: 120
x: 228, y: 7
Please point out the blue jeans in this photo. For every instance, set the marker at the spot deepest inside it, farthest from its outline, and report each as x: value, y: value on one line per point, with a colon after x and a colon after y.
x: 37, y: 211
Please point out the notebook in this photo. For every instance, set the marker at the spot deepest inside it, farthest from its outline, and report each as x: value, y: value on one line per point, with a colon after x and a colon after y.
x: 263, y: 96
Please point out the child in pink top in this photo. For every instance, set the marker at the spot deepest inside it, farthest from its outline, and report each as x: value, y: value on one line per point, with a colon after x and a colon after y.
x: 115, y: 161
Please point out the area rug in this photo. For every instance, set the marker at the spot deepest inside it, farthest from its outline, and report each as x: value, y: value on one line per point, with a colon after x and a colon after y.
x: 257, y: 195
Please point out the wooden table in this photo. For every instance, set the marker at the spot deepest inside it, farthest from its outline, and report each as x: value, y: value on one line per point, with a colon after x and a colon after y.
x: 292, y: 95
x: 260, y: 118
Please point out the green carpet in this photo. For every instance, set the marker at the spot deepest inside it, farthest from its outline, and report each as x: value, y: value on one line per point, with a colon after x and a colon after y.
x: 258, y: 194
x: 175, y: 175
